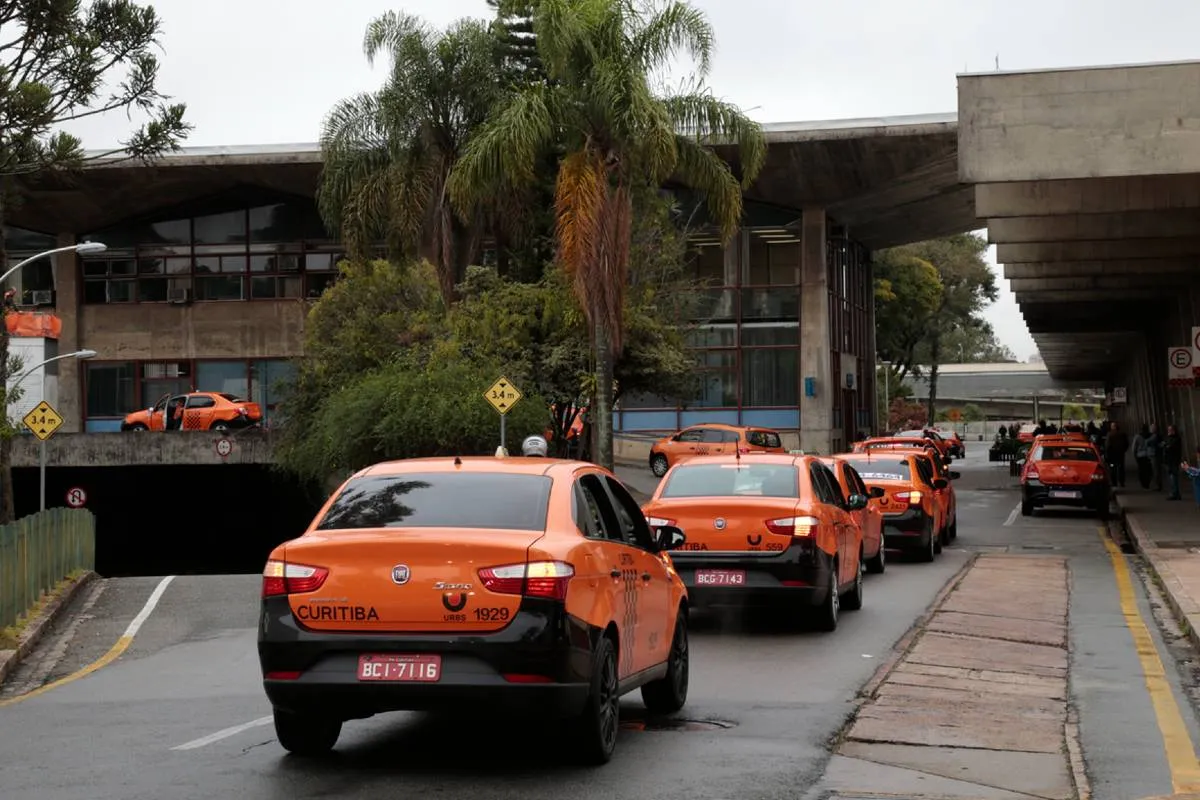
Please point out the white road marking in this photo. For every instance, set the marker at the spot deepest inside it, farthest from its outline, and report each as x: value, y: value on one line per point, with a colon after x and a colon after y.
x: 1013, y: 516
x: 223, y: 734
x: 136, y: 624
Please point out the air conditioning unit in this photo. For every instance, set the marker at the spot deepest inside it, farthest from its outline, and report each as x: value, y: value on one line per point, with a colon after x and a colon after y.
x: 179, y: 296
x: 43, y: 297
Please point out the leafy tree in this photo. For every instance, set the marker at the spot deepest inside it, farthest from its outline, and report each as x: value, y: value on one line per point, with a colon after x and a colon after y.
x: 973, y: 413
x: 908, y: 292
x: 598, y: 106
x: 904, y: 415
x: 972, y: 342
x: 57, y: 62
x: 388, y: 153
x: 516, y: 44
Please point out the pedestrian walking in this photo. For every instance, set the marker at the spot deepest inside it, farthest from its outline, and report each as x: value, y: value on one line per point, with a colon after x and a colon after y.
x: 1116, y: 447
x: 1173, y: 458
x: 1141, y: 455
x: 1154, y: 445
x: 1194, y: 474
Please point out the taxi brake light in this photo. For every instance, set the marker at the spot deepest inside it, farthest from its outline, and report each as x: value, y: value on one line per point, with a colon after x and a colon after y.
x: 913, y: 498
x: 1098, y: 475
x: 544, y: 579
x: 802, y: 527
x: 1032, y: 472
x: 282, y: 578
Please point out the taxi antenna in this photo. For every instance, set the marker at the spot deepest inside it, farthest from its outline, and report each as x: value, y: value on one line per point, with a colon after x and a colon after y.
x: 458, y: 461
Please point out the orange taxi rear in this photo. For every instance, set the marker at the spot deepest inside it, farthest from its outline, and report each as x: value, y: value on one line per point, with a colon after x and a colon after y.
x: 768, y: 531
x: 546, y: 590
x: 903, y: 485
x: 1065, y: 471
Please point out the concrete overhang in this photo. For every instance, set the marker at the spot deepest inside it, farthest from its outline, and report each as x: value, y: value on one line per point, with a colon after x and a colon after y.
x: 890, y: 180
x: 178, y: 448
x: 1089, y: 179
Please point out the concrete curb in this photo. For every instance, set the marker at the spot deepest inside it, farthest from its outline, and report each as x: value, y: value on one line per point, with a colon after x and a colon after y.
x: 41, y: 625
x: 1185, y: 609
x: 906, y: 642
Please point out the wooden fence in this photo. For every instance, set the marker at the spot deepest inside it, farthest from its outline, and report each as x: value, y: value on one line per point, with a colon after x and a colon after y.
x: 39, y: 551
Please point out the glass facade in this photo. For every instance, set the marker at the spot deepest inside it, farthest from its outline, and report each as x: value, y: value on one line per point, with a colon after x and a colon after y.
x: 113, y: 389
x: 269, y: 251
x: 748, y: 340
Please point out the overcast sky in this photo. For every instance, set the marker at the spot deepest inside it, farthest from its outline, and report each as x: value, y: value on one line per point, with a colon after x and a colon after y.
x: 265, y: 71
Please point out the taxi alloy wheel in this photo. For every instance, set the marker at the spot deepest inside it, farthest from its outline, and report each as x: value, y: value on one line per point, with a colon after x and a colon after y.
x: 658, y: 465
x: 306, y: 734
x: 597, y: 727
x: 827, y: 613
x: 668, y: 694
x: 878, y: 563
x: 854, y: 600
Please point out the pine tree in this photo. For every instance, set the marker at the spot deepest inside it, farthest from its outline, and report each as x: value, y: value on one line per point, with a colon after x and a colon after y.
x: 516, y: 45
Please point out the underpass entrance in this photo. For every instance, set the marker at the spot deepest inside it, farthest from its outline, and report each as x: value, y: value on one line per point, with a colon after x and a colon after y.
x: 179, y: 520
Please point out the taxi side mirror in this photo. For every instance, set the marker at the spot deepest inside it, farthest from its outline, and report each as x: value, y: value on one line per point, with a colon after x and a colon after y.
x: 941, y: 483
x: 876, y: 492
x: 668, y: 537
x: 955, y: 475
x: 857, y: 502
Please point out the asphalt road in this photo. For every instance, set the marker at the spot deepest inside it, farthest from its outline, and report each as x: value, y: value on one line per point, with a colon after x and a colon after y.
x: 181, y: 713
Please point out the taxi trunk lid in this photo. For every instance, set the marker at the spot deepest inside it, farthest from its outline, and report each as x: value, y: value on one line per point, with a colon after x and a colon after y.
x: 1066, y: 473
x: 729, y: 524
x: 408, y: 579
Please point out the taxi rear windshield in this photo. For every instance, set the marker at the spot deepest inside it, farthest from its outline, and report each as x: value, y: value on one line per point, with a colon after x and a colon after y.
x: 763, y: 439
x: 489, y: 500
x: 881, y: 469
x: 1060, y: 453
x: 729, y: 480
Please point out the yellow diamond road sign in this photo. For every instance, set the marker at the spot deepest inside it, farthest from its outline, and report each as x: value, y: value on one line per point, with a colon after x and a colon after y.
x: 43, y: 420
x: 503, y: 395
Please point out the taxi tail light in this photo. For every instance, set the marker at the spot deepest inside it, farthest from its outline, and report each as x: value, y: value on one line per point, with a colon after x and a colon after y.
x: 1033, y: 472
x: 282, y: 578
x: 1099, y: 475
x: 283, y: 676
x: 544, y: 579
x: 517, y: 677
x: 913, y: 498
x: 658, y: 522
x: 802, y: 527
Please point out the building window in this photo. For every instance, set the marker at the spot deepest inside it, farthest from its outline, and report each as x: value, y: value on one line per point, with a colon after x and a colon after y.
x: 159, y: 379
x: 109, y: 280
x: 770, y: 376
x: 269, y: 383
x: 109, y: 388
x: 230, y: 377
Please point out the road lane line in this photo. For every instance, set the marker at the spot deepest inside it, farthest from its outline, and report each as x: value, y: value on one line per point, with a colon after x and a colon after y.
x: 1177, y: 742
x: 112, y: 655
x: 1012, y: 517
x: 223, y: 734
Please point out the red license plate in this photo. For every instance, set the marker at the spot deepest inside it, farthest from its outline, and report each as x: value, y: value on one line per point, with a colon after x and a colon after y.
x: 396, y: 667
x: 720, y: 577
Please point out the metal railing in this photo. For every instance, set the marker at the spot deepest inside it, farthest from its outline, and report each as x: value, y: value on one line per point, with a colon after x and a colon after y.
x: 39, y: 551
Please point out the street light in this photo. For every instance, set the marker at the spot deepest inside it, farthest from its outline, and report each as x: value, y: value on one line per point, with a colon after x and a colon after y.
x: 83, y: 248
x: 80, y: 354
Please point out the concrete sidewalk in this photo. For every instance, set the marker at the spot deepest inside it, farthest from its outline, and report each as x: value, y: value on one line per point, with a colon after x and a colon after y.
x: 976, y: 707
x: 1167, y: 534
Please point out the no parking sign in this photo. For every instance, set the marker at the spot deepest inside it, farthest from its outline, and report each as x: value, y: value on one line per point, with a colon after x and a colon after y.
x: 76, y: 497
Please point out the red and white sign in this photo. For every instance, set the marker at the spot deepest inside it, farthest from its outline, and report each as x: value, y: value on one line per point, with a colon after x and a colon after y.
x: 76, y: 497
x: 1179, y: 366
x: 224, y: 448
x: 396, y: 667
x: 1196, y: 351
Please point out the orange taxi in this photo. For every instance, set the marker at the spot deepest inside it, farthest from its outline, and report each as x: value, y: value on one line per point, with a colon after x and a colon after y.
x: 546, y: 591
x: 769, y: 530
x: 1065, y: 471
x: 712, y: 439
x: 195, y: 411
x: 902, y: 484
x: 869, y: 519
x: 945, y: 496
x: 939, y: 441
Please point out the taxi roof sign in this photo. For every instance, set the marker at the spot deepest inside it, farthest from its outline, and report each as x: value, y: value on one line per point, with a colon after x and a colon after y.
x: 43, y: 420
x: 503, y: 395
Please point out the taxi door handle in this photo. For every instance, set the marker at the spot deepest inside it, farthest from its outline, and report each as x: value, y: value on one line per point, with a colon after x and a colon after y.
x: 615, y: 573
x: 646, y: 576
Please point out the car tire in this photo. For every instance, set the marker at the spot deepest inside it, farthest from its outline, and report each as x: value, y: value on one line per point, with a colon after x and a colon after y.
x: 929, y: 543
x: 853, y: 601
x: 137, y: 427
x: 595, y: 730
x: 1026, y: 508
x: 826, y: 614
x: 954, y: 528
x: 878, y: 563
x: 938, y: 539
x: 668, y: 694
x: 219, y: 425
x: 306, y: 734
x: 659, y: 465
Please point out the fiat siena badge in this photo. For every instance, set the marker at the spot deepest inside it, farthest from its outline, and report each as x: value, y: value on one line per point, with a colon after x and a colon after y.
x: 400, y: 574
x: 719, y: 523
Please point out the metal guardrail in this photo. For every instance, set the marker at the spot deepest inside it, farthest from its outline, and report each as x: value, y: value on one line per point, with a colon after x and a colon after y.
x: 39, y: 551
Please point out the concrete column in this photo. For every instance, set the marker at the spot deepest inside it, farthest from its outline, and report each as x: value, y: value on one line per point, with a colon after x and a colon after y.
x: 68, y: 298
x: 816, y: 413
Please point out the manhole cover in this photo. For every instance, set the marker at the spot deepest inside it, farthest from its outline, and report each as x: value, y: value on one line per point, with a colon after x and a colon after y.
x: 669, y: 724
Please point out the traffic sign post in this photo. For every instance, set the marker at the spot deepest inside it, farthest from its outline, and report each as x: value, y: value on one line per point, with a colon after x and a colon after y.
x: 1179, y: 367
x: 43, y: 421
x: 76, y: 497
x: 503, y: 396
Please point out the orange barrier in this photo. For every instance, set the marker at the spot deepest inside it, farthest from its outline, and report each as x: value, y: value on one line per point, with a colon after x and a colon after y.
x: 33, y: 324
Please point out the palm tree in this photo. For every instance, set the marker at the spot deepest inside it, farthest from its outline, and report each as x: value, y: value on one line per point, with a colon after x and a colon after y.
x: 387, y: 154
x: 618, y: 136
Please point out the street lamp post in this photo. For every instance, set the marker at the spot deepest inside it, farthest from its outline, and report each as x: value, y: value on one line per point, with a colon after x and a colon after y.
x: 83, y: 248
x: 80, y: 354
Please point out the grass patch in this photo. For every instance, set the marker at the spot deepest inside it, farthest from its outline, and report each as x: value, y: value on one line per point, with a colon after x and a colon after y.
x: 10, y: 637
